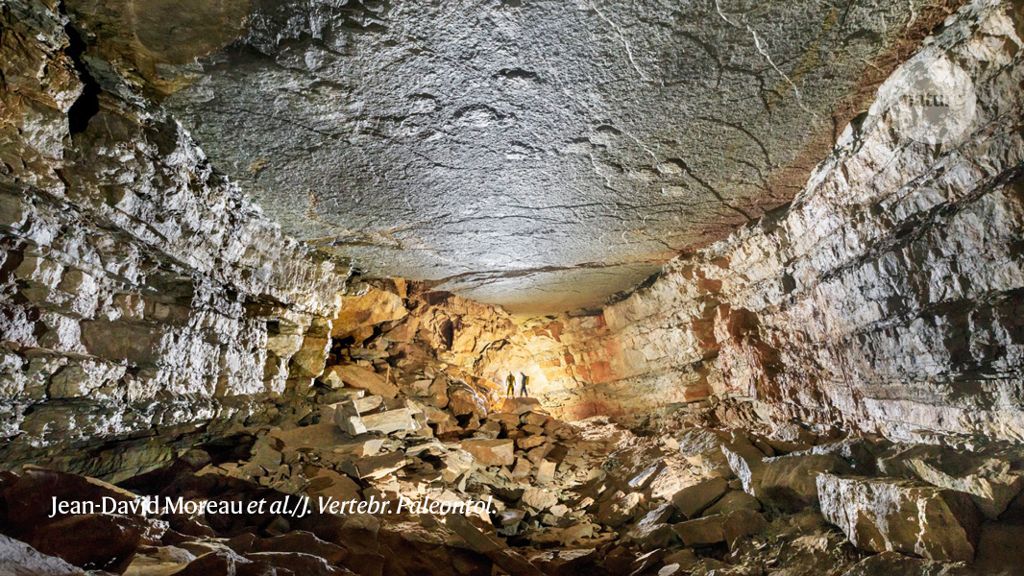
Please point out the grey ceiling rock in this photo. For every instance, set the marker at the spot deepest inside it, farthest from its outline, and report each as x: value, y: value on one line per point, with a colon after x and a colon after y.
x: 538, y: 155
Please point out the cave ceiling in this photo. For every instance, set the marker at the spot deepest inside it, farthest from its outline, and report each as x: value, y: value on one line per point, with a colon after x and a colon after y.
x: 541, y: 155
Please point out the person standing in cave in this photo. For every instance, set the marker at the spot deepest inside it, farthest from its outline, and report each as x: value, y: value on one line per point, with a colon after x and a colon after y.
x: 522, y: 384
x: 510, y: 389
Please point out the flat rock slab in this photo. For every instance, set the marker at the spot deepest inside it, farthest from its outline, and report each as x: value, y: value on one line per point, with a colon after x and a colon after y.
x: 690, y: 501
x: 375, y: 466
x: 491, y: 452
x: 391, y: 421
x: 989, y: 477
x: 520, y: 405
x: 719, y: 528
x: 326, y: 436
x: 359, y: 377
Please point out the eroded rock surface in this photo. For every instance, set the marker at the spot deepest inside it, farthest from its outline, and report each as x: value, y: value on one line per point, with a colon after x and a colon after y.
x: 143, y: 295
x: 540, y: 155
x: 902, y: 516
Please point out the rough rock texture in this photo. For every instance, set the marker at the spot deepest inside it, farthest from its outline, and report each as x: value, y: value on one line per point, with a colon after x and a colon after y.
x: 886, y: 298
x: 142, y: 295
x: 898, y: 515
x: 541, y: 155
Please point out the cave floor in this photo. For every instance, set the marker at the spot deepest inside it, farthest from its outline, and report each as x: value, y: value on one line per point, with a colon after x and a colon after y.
x: 682, y: 494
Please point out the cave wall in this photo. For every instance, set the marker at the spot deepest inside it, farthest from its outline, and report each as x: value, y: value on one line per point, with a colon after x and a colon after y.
x: 144, y: 299
x: 887, y: 297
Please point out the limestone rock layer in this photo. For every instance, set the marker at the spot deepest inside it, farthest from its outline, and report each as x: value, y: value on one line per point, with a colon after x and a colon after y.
x: 143, y: 295
x: 886, y: 297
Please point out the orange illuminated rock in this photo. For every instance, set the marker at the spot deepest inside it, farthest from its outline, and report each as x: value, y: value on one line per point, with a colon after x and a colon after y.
x: 491, y: 452
x: 359, y: 314
x: 359, y: 377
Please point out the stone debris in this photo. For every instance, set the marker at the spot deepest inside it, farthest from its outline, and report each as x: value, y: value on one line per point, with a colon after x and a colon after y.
x: 491, y: 547
x: 600, y: 505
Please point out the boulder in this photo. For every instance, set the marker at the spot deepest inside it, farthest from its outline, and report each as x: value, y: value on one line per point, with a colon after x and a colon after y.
x: 346, y: 417
x: 893, y: 564
x: 545, y: 472
x: 443, y: 423
x: 744, y: 459
x: 490, y: 546
x: 702, y: 448
x: 456, y: 463
x: 295, y: 541
x: 879, y: 514
x: 992, y: 485
x: 327, y: 483
x: 91, y: 541
x: 509, y: 521
x: 719, y: 528
x: 534, y: 418
x: 367, y: 404
x: 375, y: 466
x: 536, y: 455
x: 19, y: 559
x: 528, y: 442
x: 686, y: 559
x: 464, y: 400
x: 489, y: 429
x: 645, y: 476
x: 437, y: 393
x: 520, y: 405
x: 297, y: 563
x: 653, y: 530
x: 508, y: 420
x: 158, y: 561
x: 322, y: 436
x: 987, y: 477
x: 491, y: 452
x: 26, y: 498
x: 219, y: 561
x: 539, y: 499
x: 359, y: 377
x: 732, y: 501
x: 790, y: 482
x: 618, y: 507
x: 391, y: 421
x: 532, y: 429
x: 690, y: 501
x: 522, y: 469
